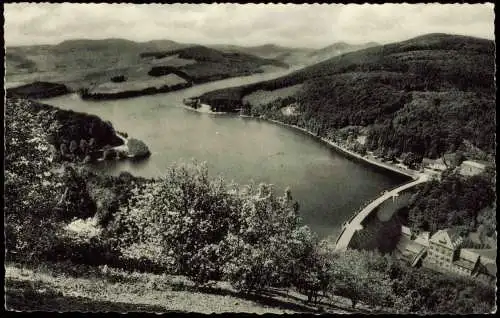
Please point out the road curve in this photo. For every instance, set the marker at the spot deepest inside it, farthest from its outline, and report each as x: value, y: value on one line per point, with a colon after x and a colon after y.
x: 355, y: 224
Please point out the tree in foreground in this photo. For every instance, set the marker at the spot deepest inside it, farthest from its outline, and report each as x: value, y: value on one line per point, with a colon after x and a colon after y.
x: 179, y: 221
x: 361, y: 278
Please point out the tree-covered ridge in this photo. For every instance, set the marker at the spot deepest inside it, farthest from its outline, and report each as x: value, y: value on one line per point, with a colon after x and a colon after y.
x: 425, y: 95
x: 434, y: 123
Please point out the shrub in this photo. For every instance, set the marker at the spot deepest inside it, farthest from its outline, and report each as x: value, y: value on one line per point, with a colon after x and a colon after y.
x: 83, y: 146
x: 118, y: 79
x: 64, y: 149
x: 137, y: 148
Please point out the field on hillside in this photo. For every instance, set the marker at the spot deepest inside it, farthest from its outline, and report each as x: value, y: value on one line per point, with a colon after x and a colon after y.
x: 262, y: 97
x: 69, y: 287
x: 138, y: 84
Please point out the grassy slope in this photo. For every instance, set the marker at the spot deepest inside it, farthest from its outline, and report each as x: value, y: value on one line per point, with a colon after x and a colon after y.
x: 69, y: 287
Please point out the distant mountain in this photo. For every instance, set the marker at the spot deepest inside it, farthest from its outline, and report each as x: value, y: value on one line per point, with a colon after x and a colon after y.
x: 427, y: 95
x: 337, y: 49
x: 95, y: 45
x: 296, y: 56
x: 271, y: 51
x: 164, y: 45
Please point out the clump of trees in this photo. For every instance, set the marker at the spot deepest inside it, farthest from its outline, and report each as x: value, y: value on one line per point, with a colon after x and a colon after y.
x: 118, y: 79
x: 67, y: 126
x: 83, y: 151
x: 137, y: 148
x: 205, y: 229
x: 454, y: 202
x: 432, y: 124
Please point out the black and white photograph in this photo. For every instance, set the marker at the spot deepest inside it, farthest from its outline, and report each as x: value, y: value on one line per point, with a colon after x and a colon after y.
x: 250, y: 158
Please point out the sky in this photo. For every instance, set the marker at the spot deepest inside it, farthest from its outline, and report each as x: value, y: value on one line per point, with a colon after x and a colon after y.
x: 311, y: 26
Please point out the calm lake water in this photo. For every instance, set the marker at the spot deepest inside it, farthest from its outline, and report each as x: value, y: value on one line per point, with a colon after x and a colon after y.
x: 328, y: 186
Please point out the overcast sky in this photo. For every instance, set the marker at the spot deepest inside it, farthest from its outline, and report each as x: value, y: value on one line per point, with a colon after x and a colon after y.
x: 252, y: 24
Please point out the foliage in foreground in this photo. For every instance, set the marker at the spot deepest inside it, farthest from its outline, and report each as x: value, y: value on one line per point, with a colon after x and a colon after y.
x: 205, y: 229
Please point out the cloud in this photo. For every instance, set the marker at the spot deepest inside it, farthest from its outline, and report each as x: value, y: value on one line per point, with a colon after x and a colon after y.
x: 252, y: 24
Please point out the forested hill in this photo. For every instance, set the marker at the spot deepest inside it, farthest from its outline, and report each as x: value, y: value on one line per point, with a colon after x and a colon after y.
x: 427, y: 95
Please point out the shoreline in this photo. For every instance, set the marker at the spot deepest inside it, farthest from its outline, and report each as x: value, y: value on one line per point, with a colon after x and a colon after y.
x: 199, y: 110
x: 410, y: 173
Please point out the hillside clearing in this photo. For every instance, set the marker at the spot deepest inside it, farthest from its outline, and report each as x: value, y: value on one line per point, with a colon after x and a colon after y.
x: 110, y: 87
x: 263, y: 97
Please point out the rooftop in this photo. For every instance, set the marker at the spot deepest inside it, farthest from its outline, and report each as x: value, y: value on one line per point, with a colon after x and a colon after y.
x: 405, y: 230
x: 475, y: 164
x: 423, y: 239
x: 448, y: 237
x: 468, y: 255
x: 464, y: 264
x: 406, y: 245
x: 487, y: 255
x: 488, y: 269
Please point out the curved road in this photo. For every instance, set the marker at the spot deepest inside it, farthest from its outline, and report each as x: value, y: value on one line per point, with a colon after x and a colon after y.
x: 355, y: 224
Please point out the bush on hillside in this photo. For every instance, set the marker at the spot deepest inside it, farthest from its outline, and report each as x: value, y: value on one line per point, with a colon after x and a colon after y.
x: 137, y: 148
x: 118, y: 79
x: 204, y: 229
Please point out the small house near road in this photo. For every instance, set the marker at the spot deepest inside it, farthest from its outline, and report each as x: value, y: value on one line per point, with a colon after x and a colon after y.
x: 410, y: 251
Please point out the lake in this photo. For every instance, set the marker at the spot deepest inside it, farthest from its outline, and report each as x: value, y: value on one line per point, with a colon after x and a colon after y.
x: 328, y: 186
